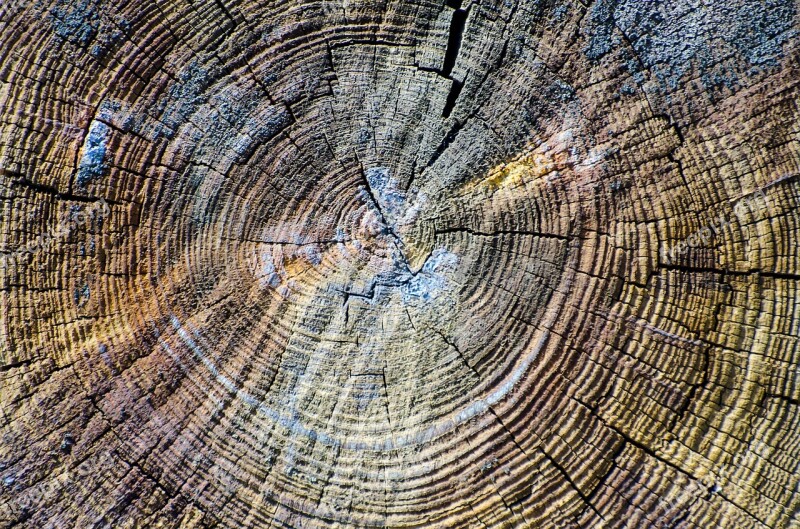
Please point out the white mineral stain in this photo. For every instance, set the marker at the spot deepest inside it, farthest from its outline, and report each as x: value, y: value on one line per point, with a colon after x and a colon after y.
x: 271, y: 277
x: 92, y: 161
x: 432, y: 280
x: 399, y: 207
x: 412, y: 210
x: 312, y: 254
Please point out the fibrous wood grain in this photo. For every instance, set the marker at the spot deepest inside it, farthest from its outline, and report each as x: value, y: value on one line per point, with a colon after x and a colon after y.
x: 343, y: 263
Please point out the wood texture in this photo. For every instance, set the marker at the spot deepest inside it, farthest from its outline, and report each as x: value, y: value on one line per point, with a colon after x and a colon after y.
x: 399, y: 264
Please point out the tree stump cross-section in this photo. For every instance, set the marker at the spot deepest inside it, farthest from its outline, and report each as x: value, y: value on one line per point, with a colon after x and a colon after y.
x: 344, y: 263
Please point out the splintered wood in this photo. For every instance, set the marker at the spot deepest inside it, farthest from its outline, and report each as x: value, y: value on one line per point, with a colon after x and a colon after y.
x: 399, y: 264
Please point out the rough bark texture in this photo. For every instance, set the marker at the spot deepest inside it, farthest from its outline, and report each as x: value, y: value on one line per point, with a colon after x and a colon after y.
x: 399, y: 263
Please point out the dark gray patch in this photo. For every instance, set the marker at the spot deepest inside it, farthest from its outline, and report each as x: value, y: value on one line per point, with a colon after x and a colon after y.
x: 269, y: 78
x: 106, y: 40
x: 560, y: 91
x: 672, y: 37
x: 559, y: 13
x: 601, y: 32
x: 81, y: 294
x: 67, y: 442
x: 181, y: 100
x: 75, y: 22
x: 87, y: 24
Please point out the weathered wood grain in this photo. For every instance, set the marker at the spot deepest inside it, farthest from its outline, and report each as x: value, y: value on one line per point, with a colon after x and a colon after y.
x: 399, y: 264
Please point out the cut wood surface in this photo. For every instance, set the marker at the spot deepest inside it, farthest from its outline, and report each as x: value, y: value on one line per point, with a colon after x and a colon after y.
x: 401, y: 263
